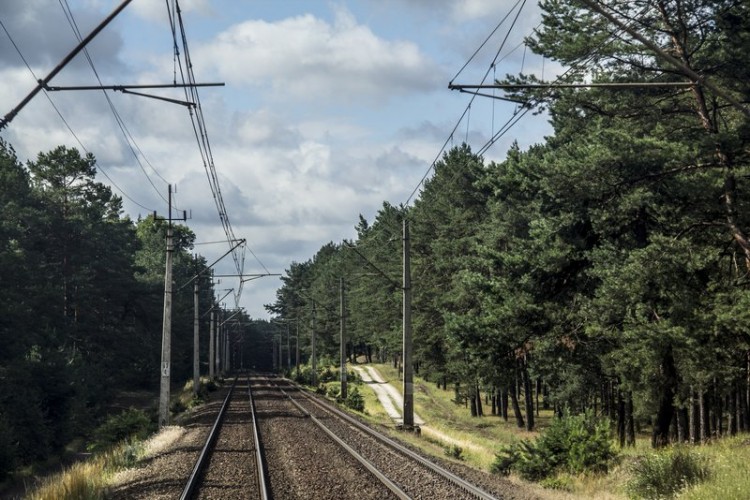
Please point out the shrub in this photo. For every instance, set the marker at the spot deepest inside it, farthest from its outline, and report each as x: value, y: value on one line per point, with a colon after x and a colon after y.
x: 454, y: 451
x: 124, y: 456
x: 333, y: 390
x: 328, y: 375
x: 573, y: 444
x: 131, y: 423
x: 355, y: 401
x: 663, y: 474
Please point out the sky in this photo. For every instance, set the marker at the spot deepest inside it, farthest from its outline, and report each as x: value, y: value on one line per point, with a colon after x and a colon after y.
x: 329, y: 109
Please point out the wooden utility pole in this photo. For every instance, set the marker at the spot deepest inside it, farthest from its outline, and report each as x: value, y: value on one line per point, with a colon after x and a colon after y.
x: 342, y: 354
x: 408, y: 376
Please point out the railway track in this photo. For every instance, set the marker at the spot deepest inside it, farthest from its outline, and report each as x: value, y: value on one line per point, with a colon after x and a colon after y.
x: 271, y: 439
x: 404, y: 473
x: 230, y: 464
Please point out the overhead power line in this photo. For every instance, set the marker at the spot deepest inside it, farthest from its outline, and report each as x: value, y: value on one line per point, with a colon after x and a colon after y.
x: 44, y: 81
x: 201, y: 134
x: 67, y: 125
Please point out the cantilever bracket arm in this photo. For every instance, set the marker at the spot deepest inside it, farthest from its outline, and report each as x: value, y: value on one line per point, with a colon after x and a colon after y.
x: 125, y: 89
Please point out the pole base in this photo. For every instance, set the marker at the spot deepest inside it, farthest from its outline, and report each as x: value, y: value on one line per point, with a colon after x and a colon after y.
x: 409, y: 428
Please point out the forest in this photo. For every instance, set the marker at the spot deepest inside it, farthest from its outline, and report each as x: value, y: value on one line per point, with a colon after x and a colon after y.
x: 605, y: 270
x: 81, y: 303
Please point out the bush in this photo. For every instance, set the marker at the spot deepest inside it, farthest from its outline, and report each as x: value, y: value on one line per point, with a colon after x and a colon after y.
x: 131, y: 423
x: 572, y: 444
x: 328, y: 375
x: 663, y: 474
x: 454, y: 451
x: 333, y: 390
x: 355, y: 401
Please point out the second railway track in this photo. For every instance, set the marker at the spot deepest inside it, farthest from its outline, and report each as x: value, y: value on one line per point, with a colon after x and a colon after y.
x: 411, y: 475
x: 230, y: 466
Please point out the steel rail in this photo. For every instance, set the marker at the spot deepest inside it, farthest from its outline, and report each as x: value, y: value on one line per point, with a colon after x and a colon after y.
x: 393, y: 487
x: 262, y: 485
x: 206, y: 451
x: 461, y: 483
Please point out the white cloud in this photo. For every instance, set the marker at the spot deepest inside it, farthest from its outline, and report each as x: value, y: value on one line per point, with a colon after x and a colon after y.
x: 306, y: 57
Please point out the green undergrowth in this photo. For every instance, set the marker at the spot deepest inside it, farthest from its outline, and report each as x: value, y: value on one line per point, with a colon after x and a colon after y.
x: 117, y: 444
x: 720, y: 470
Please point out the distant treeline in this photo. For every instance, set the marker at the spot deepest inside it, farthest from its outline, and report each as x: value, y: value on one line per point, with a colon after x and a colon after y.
x: 81, y: 303
x: 603, y: 270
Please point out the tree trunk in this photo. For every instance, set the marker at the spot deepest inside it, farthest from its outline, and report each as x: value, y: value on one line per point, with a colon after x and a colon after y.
x: 693, y: 425
x: 538, y: 390
x: 504, y: 403
x: 514, y: 402
x: 732, y: 412
x: 620, y: 419
x: 629, y: 421
x: 660, y: 436
x: 480, y: 410
x: 718, y: 410
x: 703, y: 417
x: 682, y: 425
x: 740, y: 409
x: 474, y: 400
x: 528, y: 397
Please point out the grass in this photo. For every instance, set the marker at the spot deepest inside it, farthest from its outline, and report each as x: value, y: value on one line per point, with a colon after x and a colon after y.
x: 479, y: 438
x: 88, y: 480
x: 729, y: 460
x: 448, y: 423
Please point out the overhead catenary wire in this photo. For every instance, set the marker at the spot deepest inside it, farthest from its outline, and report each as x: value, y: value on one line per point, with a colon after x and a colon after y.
x: 100, y: 168
x: 129, y: 139
x: 522, y: 3
x: 199, y: 128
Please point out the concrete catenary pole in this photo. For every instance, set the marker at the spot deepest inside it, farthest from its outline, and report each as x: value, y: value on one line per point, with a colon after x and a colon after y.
x: 296, y: 353
x: 314, y: 359
x: 196, y: 331
x: 408, y: 376
x: 288, y: 349
x: 211, y: 344
x: 342, y: 353
x: 166, y: 335
x: 219, y: 341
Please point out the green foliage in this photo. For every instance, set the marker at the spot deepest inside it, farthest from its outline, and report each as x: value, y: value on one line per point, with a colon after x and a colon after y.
x: 559, y: 482
x: 454, y: 451
x: 354, y: 400
x: 333, y: 390
x: 125, y: 455
x: 130, y: 424
x: 664, y: 474
x: 573, y: 444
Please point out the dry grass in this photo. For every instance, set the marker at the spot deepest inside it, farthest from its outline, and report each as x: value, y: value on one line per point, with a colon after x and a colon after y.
x: 82, y: 481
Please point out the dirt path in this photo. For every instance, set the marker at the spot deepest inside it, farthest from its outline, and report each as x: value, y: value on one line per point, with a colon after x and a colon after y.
x: 391, y: 400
